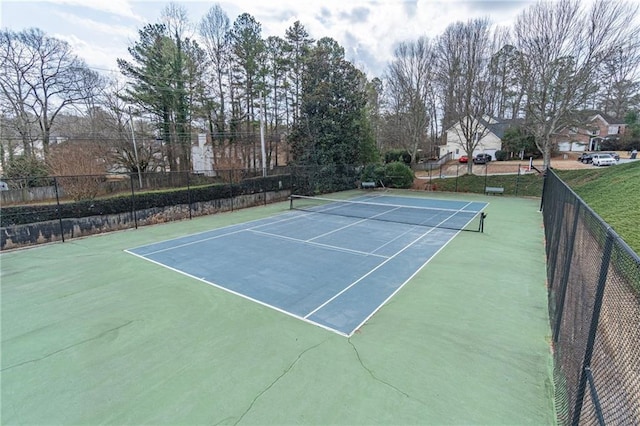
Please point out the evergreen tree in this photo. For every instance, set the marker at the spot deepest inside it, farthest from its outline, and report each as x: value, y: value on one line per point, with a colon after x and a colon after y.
x: 334, y: 127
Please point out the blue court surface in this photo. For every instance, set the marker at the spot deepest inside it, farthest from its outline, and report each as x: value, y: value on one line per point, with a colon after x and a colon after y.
x: 332, y: 270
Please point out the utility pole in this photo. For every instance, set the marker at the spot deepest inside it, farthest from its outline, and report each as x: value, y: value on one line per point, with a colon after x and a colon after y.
x: 135, y: 148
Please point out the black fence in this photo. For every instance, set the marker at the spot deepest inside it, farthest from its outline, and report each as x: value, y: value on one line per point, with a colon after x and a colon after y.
x: 45, y: 209
x: 594, y: 306
x: 517, y: 179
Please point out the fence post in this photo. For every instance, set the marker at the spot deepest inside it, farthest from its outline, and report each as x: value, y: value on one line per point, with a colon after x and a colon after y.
x: 231, y: 172
x: 457, y: 173
x: 55, y: 185
x: 133, y: 203
x: 517, y: 180
x: 544, y: 185
x: 486, y: 172
x: 561, y: 295
x: 595, y: 318
x: 189, y: 193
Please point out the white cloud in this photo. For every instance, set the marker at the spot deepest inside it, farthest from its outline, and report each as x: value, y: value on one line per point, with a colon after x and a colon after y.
x: 123, y: 8
x: 97, y: 26
x: 369, y: 30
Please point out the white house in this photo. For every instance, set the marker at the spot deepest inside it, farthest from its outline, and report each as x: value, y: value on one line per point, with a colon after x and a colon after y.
x: 202, y: 156
x: 491, y: 132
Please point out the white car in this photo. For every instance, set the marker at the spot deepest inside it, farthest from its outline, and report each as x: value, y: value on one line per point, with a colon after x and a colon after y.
x: 603, y: 160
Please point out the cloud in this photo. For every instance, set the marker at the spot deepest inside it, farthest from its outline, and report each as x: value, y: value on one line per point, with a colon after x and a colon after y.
x: 356, y: 15
x: 98, y: 26
x: 98, y: 56
x: 123, y: 8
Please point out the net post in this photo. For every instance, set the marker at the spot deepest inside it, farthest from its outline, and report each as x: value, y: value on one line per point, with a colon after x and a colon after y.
x: 291, y: 202
x: 483, y: 215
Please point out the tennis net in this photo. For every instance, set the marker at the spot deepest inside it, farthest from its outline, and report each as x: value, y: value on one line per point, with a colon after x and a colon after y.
x: 461, y: 220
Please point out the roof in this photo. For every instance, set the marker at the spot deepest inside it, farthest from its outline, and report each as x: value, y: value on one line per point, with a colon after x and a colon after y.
x: 501, y: 127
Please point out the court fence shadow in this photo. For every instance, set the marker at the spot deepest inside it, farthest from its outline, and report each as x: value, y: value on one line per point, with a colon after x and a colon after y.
x: 594, y: 306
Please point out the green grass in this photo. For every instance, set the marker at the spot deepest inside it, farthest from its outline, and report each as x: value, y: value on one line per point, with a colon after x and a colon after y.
x: 529, y: 185
x: 614, y: 194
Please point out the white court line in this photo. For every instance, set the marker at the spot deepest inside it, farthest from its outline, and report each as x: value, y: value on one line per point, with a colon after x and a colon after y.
x: 379, y: 266
x: 352, y: 224
x: 244, y: 296
x: 311, y: 243
x: 293, y: 217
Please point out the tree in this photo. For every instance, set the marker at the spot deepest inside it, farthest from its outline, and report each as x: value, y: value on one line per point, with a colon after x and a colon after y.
x: 516, y: 140
x: 40, y: 78
x: 333, y: 128
x: 299, y: 45
x: 164, y: 78
x: 80, y: 168
x: 24, y: 171
x: 562, y: 45
x: 276, y: 66
x: 248, y: 48
x: 375, y: 91
x: 505, y: 72
x: 464, y: 52
x: 410, y: 94
x: 631, y: 137
x: 619, y: 88
x: 214, y: 29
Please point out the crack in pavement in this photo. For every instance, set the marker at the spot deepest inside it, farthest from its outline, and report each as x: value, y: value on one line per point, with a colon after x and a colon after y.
x: 68, y: 347
x: 374, y: 376
x: 277, y: 379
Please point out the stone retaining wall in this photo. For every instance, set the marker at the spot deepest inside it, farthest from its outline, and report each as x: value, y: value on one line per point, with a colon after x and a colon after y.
x: 18, y: 236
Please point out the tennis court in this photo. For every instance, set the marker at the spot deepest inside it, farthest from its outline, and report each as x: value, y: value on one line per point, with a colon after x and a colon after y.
x: 332, y: 263
x: 92, y: 334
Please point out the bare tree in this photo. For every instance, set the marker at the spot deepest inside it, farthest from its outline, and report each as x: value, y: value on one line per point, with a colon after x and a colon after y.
x: 409, y: 91
x: 144, y: 155
x: 562, y: 45
x: 80, y: 168
x: 41, y: 77
x: 214, y: 28
x: 619, y: 88
x: 505, y: 72
x: 464, y: 52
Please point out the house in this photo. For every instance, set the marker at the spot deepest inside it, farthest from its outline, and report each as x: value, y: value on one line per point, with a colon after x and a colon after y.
x: 491, y: 132
x: 202, y: 156
x: 595, y: 128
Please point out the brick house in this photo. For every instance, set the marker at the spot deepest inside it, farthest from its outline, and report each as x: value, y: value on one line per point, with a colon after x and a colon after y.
x: 595, y: 127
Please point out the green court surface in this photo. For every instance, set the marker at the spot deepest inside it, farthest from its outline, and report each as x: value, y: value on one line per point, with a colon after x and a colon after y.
x: 93, y: 335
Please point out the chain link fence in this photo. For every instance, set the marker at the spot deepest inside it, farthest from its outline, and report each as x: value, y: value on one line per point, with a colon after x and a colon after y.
x: 594, y: 306
x: 47, y: 209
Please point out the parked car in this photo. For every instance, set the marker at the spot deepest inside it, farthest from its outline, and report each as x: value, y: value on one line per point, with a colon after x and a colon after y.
x: 585, y: 158
x: 482, y: 159
x: 603, y: 160
x: 463, y: 159
x: 613, y: 154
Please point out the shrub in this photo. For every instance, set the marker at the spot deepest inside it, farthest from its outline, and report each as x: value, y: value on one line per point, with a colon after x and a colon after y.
x: 501, y: 155
x: 26, y: 171
x: 394, y: 155
x: 373, y: 173
x: 398, y: 175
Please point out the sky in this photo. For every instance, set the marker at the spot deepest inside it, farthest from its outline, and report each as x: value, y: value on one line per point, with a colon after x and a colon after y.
x: 100, y: 31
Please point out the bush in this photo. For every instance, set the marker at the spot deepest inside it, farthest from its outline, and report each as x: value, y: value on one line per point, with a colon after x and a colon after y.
x: 501, y: 155
x: 398, y: 175
x: 373, y: 173
x: 397, y: 155
x: 26, y: 171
